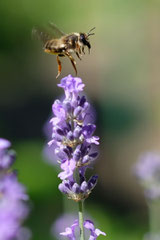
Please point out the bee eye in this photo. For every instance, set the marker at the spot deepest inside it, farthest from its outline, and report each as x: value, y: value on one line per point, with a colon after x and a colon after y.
x: 82, y: 37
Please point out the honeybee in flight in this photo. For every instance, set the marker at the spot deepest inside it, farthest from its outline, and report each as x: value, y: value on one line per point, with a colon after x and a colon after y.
x: 62, y: 44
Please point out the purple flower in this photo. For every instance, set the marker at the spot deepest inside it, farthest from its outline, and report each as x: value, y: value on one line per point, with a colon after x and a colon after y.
x: 58, y: 111
x: 71, y: 85
x: 94, y: 233
x: 68, y: 167
x: 74, y: 143
x: 78, y: 192
x: 148, y: 172
x: 7, y: 157
x: 62, y: 109
x: 12, y: 207
x: 88, y: 224
x: 61, y: 223
x: 70, y: 231
x: 72, y: 134
x: 4, y: 144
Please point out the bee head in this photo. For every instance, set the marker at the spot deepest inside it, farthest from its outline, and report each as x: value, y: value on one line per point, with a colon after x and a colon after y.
x: 84, y: 40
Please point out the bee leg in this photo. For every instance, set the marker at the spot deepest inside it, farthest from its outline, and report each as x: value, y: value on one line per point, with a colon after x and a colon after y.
x: 78, y: 55
x: 59, y: 67
x: 72, y: 61
x: 80, y: 51
x: 83, y: 50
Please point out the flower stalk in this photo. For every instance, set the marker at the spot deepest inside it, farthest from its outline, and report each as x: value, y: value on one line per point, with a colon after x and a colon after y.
x: 154, y: 211
x: 81, y: 220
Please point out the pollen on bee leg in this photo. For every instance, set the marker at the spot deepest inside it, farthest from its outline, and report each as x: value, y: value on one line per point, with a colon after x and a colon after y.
x: 47, y: 50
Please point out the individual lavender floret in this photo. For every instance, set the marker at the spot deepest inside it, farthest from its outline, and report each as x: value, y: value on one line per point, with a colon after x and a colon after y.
x: 88, y: 224
x: 7, y: 157
x: 148, y: 171
x: 61, y: 223
x: 70, y: 231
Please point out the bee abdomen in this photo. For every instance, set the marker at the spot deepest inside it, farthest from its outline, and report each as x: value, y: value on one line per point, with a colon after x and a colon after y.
x: 54, y: 46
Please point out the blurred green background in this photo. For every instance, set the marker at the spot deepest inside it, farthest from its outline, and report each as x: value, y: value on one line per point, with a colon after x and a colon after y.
x: 122, y: 82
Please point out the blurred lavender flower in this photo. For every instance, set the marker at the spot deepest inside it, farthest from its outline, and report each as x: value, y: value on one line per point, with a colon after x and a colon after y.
x: 7, y: 157
x: 49, y: 155
x: 13, y: 209
x: 152, y: 236
x: 148, y: 171
x: 24, y: 234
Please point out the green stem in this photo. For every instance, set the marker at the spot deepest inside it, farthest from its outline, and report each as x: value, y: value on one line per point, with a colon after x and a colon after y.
x: 81, y: 220
x: 154, y: 212
x: 80, y: 203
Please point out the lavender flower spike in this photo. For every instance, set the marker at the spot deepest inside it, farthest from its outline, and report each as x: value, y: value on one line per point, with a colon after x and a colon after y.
x: 74, y: 142
x: 72, y: 136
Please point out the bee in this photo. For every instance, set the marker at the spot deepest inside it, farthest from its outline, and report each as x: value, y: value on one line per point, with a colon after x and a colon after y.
x: 64, y: 45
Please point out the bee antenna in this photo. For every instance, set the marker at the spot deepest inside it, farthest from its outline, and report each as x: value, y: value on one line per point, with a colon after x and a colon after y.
x: 91, y: 30
x: 89, y: 33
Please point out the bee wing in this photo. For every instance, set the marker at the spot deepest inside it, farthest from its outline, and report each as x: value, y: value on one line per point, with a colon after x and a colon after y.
x: 41, y: 35
x: 57, y: 33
